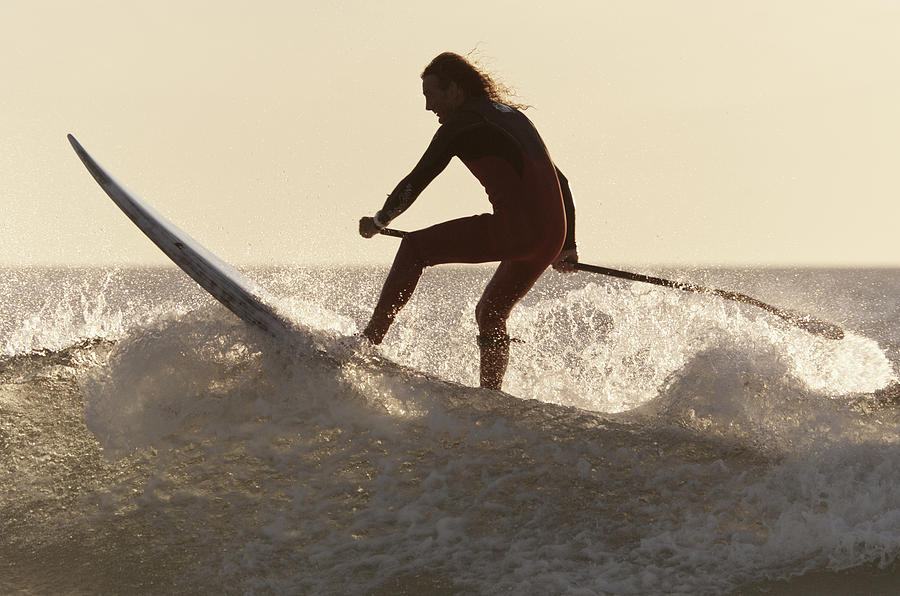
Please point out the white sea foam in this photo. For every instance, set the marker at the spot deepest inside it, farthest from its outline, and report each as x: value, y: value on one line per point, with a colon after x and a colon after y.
x: 689, y: 448
x: 611, y: 349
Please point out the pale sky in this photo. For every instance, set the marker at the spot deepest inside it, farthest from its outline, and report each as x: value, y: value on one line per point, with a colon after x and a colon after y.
x: 693, y: 132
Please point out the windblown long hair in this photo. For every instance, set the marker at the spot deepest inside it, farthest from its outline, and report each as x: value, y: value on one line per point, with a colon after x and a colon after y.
x: 474, y: 82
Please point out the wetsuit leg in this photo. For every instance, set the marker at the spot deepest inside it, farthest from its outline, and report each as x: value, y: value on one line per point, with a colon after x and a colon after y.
x: 397, y: 290
x: 509, y: 284
x: 466, y: 240
x: 478, y: 239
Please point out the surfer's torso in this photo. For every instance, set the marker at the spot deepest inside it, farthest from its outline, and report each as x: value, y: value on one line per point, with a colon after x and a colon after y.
x: 504, y: 151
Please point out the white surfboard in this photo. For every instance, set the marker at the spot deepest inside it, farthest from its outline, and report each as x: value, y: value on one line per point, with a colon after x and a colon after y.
x: 240, y: 295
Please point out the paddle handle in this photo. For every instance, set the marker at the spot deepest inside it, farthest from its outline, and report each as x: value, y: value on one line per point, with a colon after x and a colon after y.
x: 392, y: 232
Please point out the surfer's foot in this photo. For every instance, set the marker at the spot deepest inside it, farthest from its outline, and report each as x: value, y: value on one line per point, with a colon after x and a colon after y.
x: 349, y: 346
x: 372, y: 336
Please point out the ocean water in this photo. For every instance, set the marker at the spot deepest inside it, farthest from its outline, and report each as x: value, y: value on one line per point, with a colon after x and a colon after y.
x: 649, y: 441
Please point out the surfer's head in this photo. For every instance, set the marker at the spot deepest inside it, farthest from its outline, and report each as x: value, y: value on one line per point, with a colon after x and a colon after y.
x: 450, y: 79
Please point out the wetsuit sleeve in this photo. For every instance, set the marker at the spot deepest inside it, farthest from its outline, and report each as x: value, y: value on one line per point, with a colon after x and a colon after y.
x: 432, y: 163
x: 569, y: 203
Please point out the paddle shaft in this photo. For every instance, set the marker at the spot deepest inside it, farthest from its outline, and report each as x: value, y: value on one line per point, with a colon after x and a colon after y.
x: 805, y: 322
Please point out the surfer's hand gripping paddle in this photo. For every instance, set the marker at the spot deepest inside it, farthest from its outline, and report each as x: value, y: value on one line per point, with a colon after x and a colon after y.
x: 367, y: 227
x: 805, y: 322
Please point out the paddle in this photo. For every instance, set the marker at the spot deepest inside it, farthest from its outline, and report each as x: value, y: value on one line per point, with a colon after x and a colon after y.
x: 805, y: 322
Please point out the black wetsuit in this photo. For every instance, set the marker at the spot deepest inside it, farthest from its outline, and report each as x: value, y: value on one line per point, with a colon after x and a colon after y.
x: 533, y: 215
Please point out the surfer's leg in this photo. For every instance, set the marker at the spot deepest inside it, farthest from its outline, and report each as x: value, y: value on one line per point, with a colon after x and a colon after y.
x: 510, y: 283
x: 397, y: 290
x: 465, y: 240
x: 494, y: 353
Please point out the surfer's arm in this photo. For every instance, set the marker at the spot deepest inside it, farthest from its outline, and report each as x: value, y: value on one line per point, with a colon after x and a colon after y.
x: 568, y: 256
x: 432, y: 163
x: 569, y: 204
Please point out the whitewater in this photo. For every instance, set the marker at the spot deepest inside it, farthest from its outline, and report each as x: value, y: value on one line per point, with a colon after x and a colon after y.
x: 648, y: 441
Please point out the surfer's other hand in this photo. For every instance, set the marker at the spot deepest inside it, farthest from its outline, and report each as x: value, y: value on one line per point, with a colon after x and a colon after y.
x: 367, y: 227
x: 566, y: 260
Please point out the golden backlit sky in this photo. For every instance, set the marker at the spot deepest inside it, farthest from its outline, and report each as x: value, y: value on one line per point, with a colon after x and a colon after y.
x: 693, y: 132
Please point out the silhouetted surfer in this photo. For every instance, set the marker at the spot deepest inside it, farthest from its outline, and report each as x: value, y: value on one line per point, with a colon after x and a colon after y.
x: 533, y: 221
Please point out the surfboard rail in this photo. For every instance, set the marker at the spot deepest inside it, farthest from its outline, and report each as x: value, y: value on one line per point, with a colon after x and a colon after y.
x: 242, y: 296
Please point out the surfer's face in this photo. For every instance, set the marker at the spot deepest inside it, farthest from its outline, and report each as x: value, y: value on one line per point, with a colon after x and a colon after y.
x: 443, y: 102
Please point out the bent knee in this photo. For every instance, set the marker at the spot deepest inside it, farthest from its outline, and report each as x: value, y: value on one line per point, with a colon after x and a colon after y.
x: 409, y: 253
